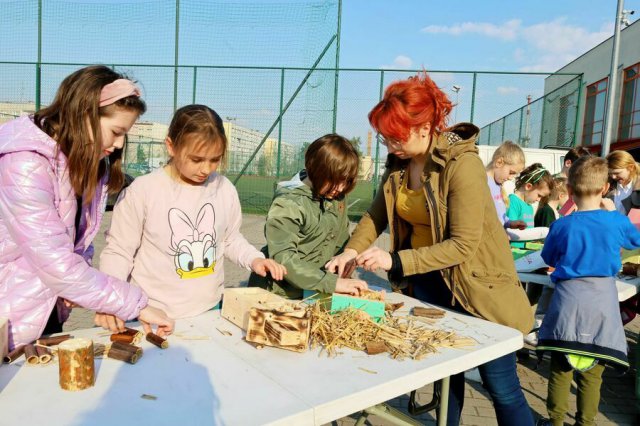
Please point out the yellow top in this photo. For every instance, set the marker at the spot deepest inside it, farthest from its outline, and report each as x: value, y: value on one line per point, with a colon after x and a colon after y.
x: 411, y: 206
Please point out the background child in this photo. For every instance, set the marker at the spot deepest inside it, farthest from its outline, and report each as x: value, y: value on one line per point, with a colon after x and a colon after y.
x: 171, y: 228
x: 547, y: 211
x: 507, y: 163
x: 533, y: 183
x: 307, y: 223
x: 56, y: 168
x: 624, y: 171
x: 571, y: 156
x: 583, y: 317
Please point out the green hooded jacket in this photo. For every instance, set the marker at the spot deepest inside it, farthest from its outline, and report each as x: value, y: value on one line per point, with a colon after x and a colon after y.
x: 303, y: 233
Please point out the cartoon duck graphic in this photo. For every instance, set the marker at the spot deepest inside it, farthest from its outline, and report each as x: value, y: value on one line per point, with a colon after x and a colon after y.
x: 193, y: 244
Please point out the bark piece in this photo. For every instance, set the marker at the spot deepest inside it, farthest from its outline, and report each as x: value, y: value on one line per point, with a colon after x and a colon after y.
x: 14, y: 354
x: 122, y: 355
x: 127, y: 347
x: 31, y: 355
x: 374, y: 348
x: 428, y: 312
x: 53, y: 340
x: 157, y: 340
x: 44, y: 355
x: 128, y: 336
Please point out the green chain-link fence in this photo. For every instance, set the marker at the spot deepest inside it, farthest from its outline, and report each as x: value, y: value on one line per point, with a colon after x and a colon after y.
x: 549, y: 120
x: 268, y: 68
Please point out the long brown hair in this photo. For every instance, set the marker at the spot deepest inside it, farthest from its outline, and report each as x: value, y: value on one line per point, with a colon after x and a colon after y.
x: 73, y: 121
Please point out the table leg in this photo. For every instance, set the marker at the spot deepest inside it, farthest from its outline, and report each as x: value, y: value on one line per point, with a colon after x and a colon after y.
x: 389, y: 414
x: 444, y: 402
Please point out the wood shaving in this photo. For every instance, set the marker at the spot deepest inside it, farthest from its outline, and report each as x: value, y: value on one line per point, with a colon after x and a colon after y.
x: 405, y: 337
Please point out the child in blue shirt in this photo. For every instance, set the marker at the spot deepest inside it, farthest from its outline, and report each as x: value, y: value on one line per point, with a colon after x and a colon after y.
x: 582, y: 327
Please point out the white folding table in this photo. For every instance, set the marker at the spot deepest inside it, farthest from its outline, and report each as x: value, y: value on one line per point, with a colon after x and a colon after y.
x: 221, y: 379
x: 627, y: 286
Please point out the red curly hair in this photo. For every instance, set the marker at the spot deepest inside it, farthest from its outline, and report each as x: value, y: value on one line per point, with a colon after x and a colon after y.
x: 409, y: 104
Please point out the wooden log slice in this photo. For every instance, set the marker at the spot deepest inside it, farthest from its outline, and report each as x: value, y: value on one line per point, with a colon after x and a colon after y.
x: 77, y: 370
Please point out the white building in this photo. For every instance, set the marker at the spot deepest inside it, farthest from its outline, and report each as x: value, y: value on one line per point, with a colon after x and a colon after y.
x: 11, y: 110
x: 594, y: 66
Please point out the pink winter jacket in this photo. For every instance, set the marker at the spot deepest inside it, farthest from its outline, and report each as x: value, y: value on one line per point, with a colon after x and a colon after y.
x: 39, y: 261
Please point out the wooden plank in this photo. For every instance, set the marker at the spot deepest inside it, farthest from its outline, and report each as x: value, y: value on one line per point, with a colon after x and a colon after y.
x: 237, y: 303
x: 4, y: 337
x: 285, y: 330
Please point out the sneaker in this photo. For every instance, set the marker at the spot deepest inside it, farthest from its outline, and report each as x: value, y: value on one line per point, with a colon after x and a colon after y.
x: 531, y: 339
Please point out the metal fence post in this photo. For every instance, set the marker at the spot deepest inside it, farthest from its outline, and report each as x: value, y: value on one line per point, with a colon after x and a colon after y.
x: 175, y: 59
x: 280, y: 124
x: 376, y: 164
x: 473, y: 97
x: 335, y: 89
x: 195, y: 83
x: 39, y: 63
x: 520, y: 127
x: 575, y: 125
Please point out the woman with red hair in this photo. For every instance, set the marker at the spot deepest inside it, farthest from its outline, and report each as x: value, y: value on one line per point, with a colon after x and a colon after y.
x: 447, y: 245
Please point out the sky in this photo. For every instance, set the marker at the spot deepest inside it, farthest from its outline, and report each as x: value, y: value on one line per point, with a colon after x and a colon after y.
x: 491, y: 35
x: 448, y: 36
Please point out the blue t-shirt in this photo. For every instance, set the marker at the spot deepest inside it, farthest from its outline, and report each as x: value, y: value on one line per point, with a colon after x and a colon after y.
x: 587, y: 244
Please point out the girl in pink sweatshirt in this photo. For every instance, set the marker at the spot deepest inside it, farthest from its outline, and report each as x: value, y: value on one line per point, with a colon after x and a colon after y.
x: 171, y: 228
x: 56, y: 168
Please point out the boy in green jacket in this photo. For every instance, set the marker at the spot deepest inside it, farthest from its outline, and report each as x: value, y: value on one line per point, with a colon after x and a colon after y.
x: 307, y: 223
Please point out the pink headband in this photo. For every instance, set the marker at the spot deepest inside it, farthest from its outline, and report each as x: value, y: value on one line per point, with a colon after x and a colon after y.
x: 117, y: 90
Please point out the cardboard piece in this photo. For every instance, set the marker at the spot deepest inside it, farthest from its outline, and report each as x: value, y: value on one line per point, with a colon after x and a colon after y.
x: 374, y: 308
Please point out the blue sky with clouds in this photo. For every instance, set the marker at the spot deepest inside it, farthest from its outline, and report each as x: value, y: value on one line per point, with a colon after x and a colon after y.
x: 463, y: 35
x: 491, y: 35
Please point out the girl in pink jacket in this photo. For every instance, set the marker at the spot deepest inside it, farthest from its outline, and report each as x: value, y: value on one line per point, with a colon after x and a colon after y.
x: 172, y: 228
x: 56, y: 168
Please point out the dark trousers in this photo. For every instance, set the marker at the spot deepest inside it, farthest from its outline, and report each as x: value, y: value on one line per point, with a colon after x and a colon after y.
x: 499, y: 377
x: 53, y: 324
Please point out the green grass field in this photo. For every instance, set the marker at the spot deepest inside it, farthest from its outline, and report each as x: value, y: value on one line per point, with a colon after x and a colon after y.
x: 256, y: 193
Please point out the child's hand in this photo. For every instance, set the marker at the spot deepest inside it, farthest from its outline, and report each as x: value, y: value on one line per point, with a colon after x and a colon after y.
x: 344, y: 264
x: 261, y: 266
x: 517, y: 224
x: 109, y: 322
x: 374, y: 258
x: 150, y: 315
x: 350, y: 286
x: 607, y: 204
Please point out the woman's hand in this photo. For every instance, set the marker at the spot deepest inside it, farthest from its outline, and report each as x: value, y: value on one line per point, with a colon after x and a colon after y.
x: 261, y: 266
x: 350, y: 286
x: 374, y: 258
x: 344, y: 264
x: 109, y: 322
x: 154, y: 316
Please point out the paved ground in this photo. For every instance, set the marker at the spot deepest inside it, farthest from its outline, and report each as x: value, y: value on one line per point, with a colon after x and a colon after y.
x: 618, y: 395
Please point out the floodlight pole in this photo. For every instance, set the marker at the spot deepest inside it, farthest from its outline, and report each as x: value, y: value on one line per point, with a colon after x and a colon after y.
x: 613, y: 80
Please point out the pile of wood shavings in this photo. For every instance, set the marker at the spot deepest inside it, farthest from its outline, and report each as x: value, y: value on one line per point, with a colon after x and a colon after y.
x: 402, y: 337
